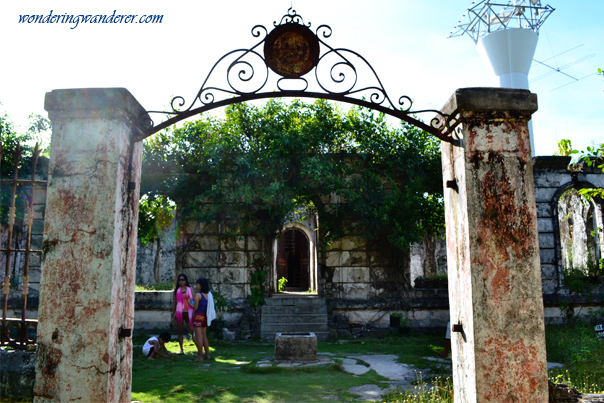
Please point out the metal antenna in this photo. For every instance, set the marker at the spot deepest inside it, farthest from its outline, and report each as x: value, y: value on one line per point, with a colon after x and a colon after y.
x: 559, y: 69
x: 561, y: 53
x: 489, y: 16
x: 572, y: 82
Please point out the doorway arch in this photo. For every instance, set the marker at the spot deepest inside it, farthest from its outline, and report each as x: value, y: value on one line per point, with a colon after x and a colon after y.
x: 287, y: 252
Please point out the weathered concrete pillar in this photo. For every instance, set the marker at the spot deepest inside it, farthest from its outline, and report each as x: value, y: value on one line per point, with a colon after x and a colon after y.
x: 90, y: 228
x: 493, y: 250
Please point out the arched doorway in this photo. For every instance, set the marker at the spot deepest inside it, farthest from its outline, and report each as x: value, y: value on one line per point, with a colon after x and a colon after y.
x: 293, y: 260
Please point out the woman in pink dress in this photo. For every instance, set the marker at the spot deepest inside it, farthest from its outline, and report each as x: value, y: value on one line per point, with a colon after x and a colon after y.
x: 181, y: 310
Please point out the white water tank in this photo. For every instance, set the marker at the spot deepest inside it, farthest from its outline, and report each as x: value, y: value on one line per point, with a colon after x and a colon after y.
x: 506, y: 35
x: 508, y: 54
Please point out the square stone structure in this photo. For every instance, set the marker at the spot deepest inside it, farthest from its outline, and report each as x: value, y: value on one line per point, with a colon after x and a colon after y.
x: 296, y: 347
x: 90, y: 231
x: 494, y: 271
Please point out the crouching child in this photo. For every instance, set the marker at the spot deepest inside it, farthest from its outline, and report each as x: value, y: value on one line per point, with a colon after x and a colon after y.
x: 154, y: 345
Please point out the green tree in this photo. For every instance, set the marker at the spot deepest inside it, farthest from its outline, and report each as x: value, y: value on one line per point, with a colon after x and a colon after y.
x: 37, y: 131
x: 565, y: 148
x: 592, y: 157
x: 155, y: 216
x: 253, y: 169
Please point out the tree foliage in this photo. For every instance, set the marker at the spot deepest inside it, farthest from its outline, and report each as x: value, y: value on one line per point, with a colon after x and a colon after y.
x: 565, y: 148
x: 155, y: 215
x: 592, y: 157
x: 258, y: 165
x: 37, y: 131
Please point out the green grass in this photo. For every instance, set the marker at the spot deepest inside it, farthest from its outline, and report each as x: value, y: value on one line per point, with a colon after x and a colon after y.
x: 154, y: 287
x: 577, y: 347
x: 181, y: 380
x: 438, y: 390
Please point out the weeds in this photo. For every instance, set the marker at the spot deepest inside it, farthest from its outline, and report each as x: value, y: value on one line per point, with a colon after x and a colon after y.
x: 165, y: 286
x: 578, y: 348
x: 434, y: 390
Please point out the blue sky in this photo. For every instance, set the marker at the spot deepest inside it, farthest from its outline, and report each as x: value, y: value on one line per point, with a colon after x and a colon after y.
x: 405, y: 42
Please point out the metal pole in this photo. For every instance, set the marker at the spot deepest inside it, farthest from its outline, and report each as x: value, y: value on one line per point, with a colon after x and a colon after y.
x: 11, y: 223
x: 29, y: 220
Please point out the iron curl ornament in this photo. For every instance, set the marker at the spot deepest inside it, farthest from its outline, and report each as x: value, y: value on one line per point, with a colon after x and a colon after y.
x: 281, y: 63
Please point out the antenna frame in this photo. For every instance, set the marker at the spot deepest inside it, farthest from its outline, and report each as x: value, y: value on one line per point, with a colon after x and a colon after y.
x: 491, y: 16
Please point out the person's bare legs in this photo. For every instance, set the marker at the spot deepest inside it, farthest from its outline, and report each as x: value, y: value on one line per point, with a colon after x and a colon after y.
x: 445, y: 353
x: 154, y: 351
x: 180, y: 333
x: 206, y: 344
x: 185, y: 320
x: 198, y: 342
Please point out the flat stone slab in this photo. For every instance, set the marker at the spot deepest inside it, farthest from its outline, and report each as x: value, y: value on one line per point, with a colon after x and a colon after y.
x: 551, y: 365
x: 352, y: 367
x: 399, y: 375
x: 368, y: 392
x: 438, y: 359
x: 386, y: 366
x: 269, y: 361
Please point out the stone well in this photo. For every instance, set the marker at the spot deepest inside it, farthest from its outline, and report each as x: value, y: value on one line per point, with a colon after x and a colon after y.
x: 296, y: 347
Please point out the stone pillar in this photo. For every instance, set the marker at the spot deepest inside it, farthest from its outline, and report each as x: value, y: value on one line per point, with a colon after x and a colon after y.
x: 90, y: 230
x: 493, y: 249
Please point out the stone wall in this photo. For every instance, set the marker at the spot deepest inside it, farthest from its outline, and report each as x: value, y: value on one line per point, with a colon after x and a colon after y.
x: 17, y: 375
x: 552, y: 180
x: 146, y: 255
x: 208, y: 250
x: 347, y: 270
x: 576, y: 218
x: 428, y: 257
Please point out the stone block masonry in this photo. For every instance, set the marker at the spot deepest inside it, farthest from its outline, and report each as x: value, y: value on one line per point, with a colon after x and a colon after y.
x: 17, y: 374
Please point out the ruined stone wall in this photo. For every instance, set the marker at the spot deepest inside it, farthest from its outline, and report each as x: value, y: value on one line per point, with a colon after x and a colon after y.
x: 550, y: 174
x: 146, y: 255
x: 348, y: 270
x: 552, y: 180
x: 428, y: 257
x: 211, y: 251
x: 576, y: 223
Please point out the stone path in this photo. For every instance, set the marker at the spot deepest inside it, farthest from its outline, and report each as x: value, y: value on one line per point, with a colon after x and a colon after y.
x: 268, y: 362
x: 386, y: 366
x: 399, y: 375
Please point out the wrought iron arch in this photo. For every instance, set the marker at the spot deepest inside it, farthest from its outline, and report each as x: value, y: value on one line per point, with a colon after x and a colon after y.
x: 290, y: 53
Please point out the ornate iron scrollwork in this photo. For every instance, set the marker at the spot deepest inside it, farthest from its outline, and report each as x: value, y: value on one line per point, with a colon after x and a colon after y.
x: 290, y: 52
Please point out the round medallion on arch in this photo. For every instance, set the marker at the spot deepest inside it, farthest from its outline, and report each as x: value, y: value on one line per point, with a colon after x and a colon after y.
x: 291, y: 50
